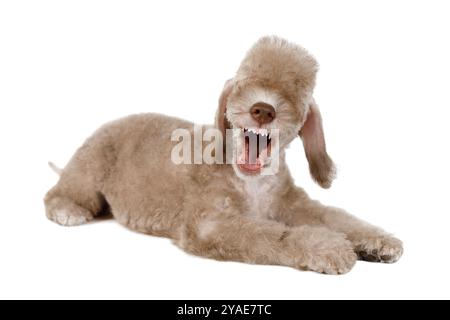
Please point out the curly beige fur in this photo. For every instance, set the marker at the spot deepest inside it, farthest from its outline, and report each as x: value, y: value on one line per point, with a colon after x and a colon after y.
x: 217, y: 211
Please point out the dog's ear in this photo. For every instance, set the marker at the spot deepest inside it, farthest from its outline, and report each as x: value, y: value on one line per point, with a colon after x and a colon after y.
x: 321, y: 166
x: 221, y: 120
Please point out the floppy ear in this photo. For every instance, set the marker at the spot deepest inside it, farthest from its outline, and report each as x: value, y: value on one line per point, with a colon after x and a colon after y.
x: 221, y: 120
x: 321, y: 166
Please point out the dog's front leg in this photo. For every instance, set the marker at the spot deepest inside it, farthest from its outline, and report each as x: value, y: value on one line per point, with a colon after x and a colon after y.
x: 243, y: 239
x: 370, y: 243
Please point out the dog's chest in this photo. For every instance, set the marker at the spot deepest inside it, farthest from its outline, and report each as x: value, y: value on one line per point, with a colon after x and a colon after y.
x: 259, y: 198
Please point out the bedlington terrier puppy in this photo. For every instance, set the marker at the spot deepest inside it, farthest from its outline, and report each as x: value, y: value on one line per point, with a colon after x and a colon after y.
x: 239, y: 207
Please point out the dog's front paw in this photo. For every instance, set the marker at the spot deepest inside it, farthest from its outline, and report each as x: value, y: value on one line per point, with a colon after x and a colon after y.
x: 336, y: 259
x: 326, y: 252
x: 385, y: 249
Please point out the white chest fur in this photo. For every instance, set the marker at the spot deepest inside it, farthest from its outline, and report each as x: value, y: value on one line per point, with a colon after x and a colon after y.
x: 259, y: 195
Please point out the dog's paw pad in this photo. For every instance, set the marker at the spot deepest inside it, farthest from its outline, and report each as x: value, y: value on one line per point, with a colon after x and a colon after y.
x: 384, y: 249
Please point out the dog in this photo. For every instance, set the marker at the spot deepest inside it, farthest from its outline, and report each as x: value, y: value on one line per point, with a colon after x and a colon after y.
x: 226, y: 211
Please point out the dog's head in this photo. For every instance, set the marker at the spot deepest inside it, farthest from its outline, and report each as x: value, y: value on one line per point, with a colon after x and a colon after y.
x: 272, y: 92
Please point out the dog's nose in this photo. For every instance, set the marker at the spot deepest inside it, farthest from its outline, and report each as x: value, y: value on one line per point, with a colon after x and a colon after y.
x: 262, y: 112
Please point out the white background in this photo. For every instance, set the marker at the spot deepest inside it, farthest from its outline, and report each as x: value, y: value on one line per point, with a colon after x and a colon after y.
x: 66, y: 67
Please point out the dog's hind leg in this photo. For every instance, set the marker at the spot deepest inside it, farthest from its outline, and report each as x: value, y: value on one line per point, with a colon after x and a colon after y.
x: 66, y: 211
x: 76, y: 199
x: 72, y: 204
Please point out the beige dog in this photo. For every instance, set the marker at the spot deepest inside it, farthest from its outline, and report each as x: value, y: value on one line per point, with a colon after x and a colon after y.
x: 221, y: 211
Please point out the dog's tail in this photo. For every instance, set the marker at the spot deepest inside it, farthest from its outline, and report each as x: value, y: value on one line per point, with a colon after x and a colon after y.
x: 55, y: 168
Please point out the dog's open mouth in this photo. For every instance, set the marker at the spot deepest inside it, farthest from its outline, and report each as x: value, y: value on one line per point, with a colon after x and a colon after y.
x: 257, y: 145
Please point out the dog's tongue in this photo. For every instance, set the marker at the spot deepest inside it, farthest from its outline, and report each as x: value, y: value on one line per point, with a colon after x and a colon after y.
x: 251, y: 167
x: 250, y: 162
